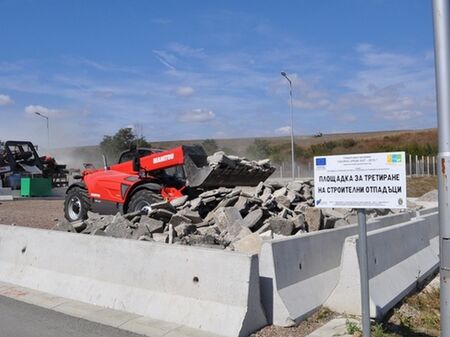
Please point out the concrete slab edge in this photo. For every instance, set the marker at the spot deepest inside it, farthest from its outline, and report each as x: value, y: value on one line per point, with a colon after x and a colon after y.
x: 335, y: 327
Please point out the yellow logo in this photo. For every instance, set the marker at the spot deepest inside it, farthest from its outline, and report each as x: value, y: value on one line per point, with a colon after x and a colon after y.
x: 394, y: 158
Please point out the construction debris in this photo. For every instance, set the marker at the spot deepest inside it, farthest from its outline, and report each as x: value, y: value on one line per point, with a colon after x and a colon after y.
x: 239, y: 218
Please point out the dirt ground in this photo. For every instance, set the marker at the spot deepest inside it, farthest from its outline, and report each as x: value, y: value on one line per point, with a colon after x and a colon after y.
x: 316, y: 320
x: 38, y: 213
x: 418, y: 186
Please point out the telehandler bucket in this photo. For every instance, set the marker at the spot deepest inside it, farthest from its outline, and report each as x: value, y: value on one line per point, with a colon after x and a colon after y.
x: 200, y: 174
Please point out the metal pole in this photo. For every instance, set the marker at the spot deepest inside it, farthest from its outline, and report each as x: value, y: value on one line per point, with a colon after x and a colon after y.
x: 48, y: 135
x: 417, y: 165
x: 434, y: 165
x: 292, y: 124
x: 364, y: 272
x: 442, y: 64
x: 422, y: 166
x: 292, y: 134
x: 48, y: 127
x: 410, y: 165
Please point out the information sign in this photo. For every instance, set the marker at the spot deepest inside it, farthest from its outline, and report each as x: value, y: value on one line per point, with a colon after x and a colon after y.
x: 371, y: 180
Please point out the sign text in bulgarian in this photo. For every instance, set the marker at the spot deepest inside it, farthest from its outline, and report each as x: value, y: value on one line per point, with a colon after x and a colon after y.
x: 372, y: 180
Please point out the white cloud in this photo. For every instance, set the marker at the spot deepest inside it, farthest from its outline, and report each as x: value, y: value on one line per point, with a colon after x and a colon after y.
x: 306, y: 95
x: 166, y: 58
x: 370, y: 56
x: 403, y: 115
x: 390, y: 103
x: 197, y: 116
x: 185, y: 91
x: 310, y: 103
x: 6, y: 100
x: 31, y: 109
x: 347, y: 118
x: 284, y: 130
x: 186, y: 51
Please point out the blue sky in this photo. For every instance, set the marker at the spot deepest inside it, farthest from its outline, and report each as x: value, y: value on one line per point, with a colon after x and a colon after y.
x: 211, y: 69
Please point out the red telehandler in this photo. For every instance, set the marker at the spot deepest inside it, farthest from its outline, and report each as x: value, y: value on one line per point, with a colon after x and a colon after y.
x: 145, y: 176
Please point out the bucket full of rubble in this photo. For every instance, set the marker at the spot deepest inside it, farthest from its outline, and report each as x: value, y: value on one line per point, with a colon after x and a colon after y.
x: 221, y: 170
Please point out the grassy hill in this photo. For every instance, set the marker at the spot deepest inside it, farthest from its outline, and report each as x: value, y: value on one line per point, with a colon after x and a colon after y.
x: 415, y: 142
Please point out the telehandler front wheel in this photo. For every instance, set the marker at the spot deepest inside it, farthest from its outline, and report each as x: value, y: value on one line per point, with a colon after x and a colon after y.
x: 76, y: 204
x: 142, y: 201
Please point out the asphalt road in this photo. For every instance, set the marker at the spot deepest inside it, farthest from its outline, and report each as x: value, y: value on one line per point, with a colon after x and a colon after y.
x: 19, y: 319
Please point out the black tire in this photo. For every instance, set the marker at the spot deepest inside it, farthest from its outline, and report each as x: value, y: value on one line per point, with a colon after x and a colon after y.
x: 76, y: 204
x: 142, y: 199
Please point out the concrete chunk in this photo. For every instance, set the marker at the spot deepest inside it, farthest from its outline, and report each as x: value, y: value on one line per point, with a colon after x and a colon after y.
x: 334, y: 213
x: 164, y: 205
x: 340, y: 223
x: 253, y: 219
x: 227, y: 202
x: 194, y: 216
x: 314, y: 218
x: 178, y: 202
x: 220, y: 158
x: 118, y: 228
x: 161, y: 214
x: 250, y: 244
x: 141, y: 230
x: 64, y: 226
x: 295, y: 186
x: 329, y: 222
x: 153, y: 225
x: 185, y: 229
x: 161, y: 237
x: 225, y: 217
x: 299, y: 222
x: 283, y: 200
x: 178, y: 219
x: 210, y: 230
x: 195, y: 204
x: 281, y: 226
x: 280, y: 192
x: 79, y: 225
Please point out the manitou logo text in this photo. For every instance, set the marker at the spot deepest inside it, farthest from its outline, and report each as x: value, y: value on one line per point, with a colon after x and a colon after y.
x: 164, y: 158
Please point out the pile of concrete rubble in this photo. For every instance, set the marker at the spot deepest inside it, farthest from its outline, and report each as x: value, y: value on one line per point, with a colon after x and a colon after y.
x: 237, y: 218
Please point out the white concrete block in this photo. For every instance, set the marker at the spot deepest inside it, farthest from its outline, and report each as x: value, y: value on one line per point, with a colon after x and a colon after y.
x: 299, y: 273
x: 208, y: 289
x: 399, y: 257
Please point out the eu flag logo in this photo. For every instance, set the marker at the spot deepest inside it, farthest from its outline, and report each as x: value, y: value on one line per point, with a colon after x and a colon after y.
x: 321, y: 161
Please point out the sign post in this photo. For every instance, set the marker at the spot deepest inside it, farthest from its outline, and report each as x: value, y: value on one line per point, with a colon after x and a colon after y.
x: 361, y: 181
x: 441, y: 24
x: 364, y: 272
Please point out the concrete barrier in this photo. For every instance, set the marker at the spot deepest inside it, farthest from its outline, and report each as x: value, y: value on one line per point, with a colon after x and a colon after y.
x: 399, y: 256
x: 429, y: 210
x: 299, y: 273
x: 433, y: 230
x: 208, y: 289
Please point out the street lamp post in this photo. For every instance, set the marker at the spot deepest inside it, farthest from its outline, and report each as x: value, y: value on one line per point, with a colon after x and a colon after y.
x: 292, y: 125
x: 48, y: 128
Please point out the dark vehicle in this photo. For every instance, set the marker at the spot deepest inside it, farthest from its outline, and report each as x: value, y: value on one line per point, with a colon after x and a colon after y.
x: 20, y: 159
